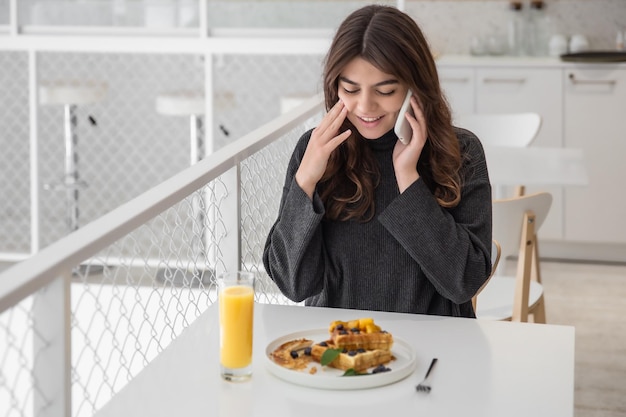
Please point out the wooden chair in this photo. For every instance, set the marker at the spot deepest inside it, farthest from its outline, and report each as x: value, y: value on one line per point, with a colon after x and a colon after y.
x: 506, y: 129
x: 496, y: 250
x: 516, y: 222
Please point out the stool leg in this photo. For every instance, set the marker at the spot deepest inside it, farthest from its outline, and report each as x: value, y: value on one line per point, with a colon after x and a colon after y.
x: 196, y: 145
x: 71, y: 167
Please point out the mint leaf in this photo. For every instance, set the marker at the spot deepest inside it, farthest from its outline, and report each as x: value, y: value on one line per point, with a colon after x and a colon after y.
x: 352, y: 372
x: 329, y: 355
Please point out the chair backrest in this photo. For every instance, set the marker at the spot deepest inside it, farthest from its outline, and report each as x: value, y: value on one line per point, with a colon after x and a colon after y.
x: 496, y: 251
x: 508, y: 215
x: 507, y: 129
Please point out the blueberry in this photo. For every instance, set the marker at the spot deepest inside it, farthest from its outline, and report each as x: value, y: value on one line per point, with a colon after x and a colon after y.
x: 380, y: 368
x: 342, y: 331
x: 294, y: 354
x: 360, y: 350
x: 339, y: 327
x: 307, y: 351
x: 352, y: 353
x: 355, y: 330
x: 323, y: 344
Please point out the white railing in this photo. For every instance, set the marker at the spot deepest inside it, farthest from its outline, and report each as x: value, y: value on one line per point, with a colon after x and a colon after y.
x: 82, y: 316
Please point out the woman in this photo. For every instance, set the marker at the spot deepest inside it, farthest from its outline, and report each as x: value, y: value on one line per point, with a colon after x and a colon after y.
x: 366, y: 222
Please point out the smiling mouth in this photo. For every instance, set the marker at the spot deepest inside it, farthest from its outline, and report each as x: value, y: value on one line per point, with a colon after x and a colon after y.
x: 370, y: 119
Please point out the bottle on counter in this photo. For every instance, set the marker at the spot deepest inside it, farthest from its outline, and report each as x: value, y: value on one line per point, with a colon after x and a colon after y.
x: 539, y: 29
x: 516, y: 28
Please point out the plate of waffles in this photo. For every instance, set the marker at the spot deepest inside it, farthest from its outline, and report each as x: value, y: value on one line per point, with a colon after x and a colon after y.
x: 296, y: 358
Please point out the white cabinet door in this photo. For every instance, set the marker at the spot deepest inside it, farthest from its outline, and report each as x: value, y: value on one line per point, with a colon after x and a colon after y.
x: 458, y: 86
x: 508, y: 90
x: 595, y: 110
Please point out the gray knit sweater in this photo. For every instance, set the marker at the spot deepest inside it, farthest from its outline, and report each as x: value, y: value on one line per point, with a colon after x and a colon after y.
x: 413, y: 256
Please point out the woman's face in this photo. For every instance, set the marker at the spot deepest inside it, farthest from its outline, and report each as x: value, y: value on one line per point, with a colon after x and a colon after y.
x: 372, y: 97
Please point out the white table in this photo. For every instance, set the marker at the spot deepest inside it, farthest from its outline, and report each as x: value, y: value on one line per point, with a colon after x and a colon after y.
x: 485, y: 369
x: 535, y: 166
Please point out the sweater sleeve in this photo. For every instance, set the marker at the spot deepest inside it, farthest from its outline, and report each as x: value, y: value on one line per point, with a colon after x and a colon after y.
x: 452, y: 246
x: 293, y: 256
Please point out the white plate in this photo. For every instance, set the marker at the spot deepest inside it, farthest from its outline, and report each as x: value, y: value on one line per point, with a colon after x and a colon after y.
x: 331, y: 378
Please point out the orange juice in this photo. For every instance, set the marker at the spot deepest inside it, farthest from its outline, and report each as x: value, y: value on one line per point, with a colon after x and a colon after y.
x: 236, y: 306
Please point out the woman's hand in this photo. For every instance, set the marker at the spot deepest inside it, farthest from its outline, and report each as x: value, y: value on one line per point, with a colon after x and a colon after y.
x: 324, y: 139
x: 405, y: 157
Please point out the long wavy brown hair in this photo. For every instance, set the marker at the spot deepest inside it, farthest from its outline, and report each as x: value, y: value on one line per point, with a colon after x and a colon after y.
x: 391, y: 41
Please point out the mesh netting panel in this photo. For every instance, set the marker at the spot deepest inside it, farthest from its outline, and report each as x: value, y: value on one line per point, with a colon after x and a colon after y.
x: 17, y: 340
x: 124, y: 146
x: 249, y: 89
x: 14, y: 157
x: 160, y: 277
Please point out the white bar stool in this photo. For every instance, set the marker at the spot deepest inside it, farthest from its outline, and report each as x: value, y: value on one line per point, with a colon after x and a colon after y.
x: 70, y: 95
x: 189, y: 104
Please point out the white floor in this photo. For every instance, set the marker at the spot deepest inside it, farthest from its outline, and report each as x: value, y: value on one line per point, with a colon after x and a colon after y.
x: 592, y: 298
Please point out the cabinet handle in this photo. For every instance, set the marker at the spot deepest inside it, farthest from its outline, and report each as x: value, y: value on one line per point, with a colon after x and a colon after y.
x: 505, y: 80
x: 573, y: 79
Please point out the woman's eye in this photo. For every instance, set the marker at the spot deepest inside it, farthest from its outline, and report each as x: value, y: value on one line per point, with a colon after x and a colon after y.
x: 350, y: 91
x: 386, y: 93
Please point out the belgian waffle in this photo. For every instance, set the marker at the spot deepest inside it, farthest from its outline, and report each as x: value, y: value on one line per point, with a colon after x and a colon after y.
x: 359, y: 360
x: 363, y: 344
x: 282, y: 355
x: 352, y: 339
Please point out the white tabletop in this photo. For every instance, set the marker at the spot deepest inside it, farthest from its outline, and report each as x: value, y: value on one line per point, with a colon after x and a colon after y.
x: 535, y: 166
x: 485, y: 369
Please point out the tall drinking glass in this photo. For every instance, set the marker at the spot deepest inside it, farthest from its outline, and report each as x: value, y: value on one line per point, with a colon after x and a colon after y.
x: 236, y: 311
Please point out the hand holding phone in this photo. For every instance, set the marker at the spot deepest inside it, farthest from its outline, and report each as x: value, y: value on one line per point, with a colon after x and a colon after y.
x: 403, y: 128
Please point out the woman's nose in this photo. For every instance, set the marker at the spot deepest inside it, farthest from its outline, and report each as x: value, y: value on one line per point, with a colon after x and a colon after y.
x: 366, y: 103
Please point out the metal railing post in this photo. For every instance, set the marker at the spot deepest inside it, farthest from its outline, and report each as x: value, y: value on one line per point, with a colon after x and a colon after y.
x: 52, y: 364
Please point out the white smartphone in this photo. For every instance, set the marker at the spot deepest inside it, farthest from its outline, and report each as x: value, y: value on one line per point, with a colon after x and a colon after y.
x: 403, y: 128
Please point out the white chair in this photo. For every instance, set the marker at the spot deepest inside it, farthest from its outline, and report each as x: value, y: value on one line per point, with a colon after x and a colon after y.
x: 506, y: 129
x: 516, y: 222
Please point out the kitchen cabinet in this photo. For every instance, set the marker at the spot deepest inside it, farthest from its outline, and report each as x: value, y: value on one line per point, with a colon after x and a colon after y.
x: 513, y: 89
x: 458, y: 85
x: 595, y: 110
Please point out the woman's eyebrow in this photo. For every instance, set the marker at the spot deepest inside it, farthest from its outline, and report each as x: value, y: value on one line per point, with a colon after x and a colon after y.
x: 385, y: 82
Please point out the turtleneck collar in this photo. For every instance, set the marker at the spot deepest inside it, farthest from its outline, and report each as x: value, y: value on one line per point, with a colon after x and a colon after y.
x: 384, y: 143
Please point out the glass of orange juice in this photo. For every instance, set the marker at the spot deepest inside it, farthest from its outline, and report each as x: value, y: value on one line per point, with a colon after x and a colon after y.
x: 236, y: 311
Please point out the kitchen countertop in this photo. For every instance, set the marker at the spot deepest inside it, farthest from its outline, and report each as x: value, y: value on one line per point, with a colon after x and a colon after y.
x: 507, y: 61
